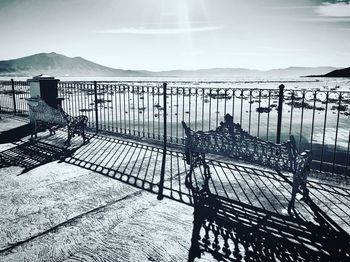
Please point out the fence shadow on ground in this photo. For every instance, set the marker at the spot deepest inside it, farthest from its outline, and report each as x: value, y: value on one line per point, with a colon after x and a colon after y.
x: 254, y: 198
x: 139, y: 165
x: 255, y: 201
x: 133, y: 163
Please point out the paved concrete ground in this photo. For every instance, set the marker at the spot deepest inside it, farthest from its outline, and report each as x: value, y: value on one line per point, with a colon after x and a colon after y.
x: 59, y: 212
x: 8, y: 122
x: 139, y: 165
x: 100, y: 203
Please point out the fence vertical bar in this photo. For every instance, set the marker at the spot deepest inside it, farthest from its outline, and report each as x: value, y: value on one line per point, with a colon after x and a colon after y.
x: 268, y: 117
x: 336, y: 133
x: 258, y: 133
x: 250, y: 110
x: 161, y: 182
x: 301, y: 120
x: 96, y: 107
x: 347, y: 169
x: 279, y: 112
x: 13, y: 96
x: 291, y: 113
x: 324, y: 130
x: 313, y: 120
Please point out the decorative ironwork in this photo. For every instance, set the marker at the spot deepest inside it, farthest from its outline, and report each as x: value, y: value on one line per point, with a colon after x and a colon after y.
x: 230, y: 140
x: 47, y: 117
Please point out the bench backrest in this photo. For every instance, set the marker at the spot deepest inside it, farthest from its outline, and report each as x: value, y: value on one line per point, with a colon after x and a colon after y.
x: 43, y: 112
x: 230, y: 140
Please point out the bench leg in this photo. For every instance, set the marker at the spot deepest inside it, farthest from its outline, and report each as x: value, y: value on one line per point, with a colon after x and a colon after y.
x: 295, y: 189
x: 67, y: 143
x: 298, y: 184
x: 52, y: 132
x: 197, y: 224
x: 194, y: 249
x: 84, y: 136
x: 292, y: 200
x: 34, y: 134
x: 304, y: 186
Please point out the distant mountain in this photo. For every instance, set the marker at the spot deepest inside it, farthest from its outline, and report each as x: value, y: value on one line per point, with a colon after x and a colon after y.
x: 300, y: 71
x: 235, y: 72
x: 217, y: 72
x: 59, y: 65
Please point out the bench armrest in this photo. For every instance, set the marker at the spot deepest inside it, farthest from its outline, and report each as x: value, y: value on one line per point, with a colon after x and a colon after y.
x: 188, y: 143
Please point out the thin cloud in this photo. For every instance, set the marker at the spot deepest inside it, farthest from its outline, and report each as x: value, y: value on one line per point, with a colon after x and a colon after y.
x: 339, y: 9
x: 159, y: 31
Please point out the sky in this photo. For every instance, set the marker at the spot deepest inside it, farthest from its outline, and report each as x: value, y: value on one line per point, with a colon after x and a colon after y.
x: 180, y: 34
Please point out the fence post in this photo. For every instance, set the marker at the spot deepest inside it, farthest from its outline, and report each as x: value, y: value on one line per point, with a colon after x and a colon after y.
x: 96, y: 106
x: 161, y: 182
x: 279, y: 112
x: 13, y: 96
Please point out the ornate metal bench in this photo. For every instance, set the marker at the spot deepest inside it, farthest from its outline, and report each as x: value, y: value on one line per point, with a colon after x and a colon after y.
x: 47, y: 117
x: 231, y: 141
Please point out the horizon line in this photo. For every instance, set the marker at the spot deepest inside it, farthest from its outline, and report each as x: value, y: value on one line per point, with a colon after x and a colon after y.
x: 178, y: 69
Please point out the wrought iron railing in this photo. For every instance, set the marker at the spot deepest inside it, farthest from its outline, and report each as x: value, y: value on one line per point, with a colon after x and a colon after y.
x: 13, y: 95
x: 318, y: 119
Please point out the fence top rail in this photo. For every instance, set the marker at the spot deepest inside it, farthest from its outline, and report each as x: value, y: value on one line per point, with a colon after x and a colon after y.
x: 170, y: 86
x: 21, y: 82
x: 189, y: 81
x: 215, y: 89
x: 103, y: 83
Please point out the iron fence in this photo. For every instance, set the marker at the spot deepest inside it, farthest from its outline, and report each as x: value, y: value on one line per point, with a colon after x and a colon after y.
x: 318, y: 119
x: 13, y: 95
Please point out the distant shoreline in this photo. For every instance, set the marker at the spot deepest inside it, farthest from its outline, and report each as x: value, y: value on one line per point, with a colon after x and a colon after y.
x: 323, y: 76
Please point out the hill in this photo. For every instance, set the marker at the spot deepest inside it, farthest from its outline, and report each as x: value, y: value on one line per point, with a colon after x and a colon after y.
x: 242, y: 72
x: 59, y: 65
x: 300, y: 71
x: 345, y: 72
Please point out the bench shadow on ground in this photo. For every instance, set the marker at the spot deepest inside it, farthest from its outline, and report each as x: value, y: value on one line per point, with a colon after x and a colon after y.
x: 247, y: 219
x: 237, y: 232
x: 252, y: 219
x: 32, y: 153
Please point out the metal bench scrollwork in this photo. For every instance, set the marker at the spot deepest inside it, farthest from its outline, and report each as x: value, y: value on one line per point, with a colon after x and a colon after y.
x: 230, y: 140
